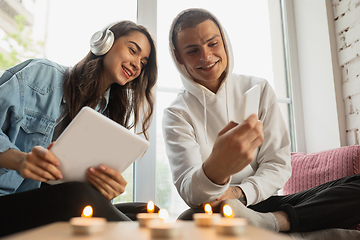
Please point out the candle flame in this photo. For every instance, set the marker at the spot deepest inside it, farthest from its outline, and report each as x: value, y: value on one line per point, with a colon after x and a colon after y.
x: 87, y: 212
x: 163, y: 214
x: 150, y: 207
x: 228, y: 212
x: 208, y: 209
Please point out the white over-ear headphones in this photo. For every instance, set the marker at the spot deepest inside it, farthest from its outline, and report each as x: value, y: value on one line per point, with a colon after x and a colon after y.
x: 102, y: 41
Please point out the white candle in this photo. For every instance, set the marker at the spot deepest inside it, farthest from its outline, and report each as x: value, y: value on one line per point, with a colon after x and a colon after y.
x: 86, y: 224
x: 164, y: 229
x: 230, y: 225
x: 145, y: 218
x: 161, y: 229
x: 206, y: 219
x: 91, y: 225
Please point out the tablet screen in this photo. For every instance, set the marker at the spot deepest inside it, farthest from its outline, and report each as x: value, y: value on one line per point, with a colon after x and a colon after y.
x: 92, y: 139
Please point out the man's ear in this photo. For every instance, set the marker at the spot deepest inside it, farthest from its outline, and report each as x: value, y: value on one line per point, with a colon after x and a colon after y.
x: 178, y: 57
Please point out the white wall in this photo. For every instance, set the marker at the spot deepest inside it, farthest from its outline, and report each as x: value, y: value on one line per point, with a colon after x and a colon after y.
x: 318, y: 75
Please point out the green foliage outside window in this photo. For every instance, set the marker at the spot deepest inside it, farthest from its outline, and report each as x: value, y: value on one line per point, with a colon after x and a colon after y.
x: 21, y: 45
x: 128, y: 195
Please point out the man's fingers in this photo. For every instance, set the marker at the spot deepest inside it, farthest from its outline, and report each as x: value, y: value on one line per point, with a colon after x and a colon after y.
x: 243, y: 128
x: 215, y: 203
x: 256, y: 135
x: 252, y: 119
x: 257, y: 130
x: 248, y: 124
x: 228, y: 126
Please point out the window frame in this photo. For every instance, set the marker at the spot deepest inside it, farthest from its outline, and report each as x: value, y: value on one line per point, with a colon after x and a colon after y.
x: 145, y: 168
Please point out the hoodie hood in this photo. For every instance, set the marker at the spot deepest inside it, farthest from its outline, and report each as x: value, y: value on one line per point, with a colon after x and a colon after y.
x: 197, y: 90
x: 188, y: 82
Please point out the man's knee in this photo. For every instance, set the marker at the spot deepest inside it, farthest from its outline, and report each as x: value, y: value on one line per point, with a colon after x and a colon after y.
x: 188, y: 214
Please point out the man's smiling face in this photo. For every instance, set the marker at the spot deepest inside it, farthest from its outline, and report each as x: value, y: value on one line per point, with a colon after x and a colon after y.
x: 201, y: 50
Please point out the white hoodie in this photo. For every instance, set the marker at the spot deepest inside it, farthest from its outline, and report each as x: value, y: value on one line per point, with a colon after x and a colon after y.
x: 191, y: 125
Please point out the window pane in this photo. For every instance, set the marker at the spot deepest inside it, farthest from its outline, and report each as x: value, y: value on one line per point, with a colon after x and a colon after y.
x: 166, y: 194
x: 128, y: 195
x: 284, y: 108
x: 68, y: 25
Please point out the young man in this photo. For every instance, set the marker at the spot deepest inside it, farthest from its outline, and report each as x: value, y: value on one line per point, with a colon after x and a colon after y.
x: 218, y: 158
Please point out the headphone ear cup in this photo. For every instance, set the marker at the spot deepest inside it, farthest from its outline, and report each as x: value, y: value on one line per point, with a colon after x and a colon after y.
x: 101, y: 42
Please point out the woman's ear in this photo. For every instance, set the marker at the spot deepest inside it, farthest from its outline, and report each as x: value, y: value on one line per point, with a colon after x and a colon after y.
x: 178, y: 57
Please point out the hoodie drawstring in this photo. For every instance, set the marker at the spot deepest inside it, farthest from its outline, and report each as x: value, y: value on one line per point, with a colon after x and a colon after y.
x: 205, y: 116
x: 205, y: 110
x: 226, y: 103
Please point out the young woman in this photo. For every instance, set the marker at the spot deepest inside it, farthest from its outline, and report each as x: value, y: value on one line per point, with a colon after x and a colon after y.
x: 38, y: 100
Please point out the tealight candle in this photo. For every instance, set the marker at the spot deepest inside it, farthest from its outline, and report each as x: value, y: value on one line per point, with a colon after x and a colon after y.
x: 230, y: 225
x: 164, y: 229
x: 86, y: 224
x: 208, y: 218
x: 145, y: 218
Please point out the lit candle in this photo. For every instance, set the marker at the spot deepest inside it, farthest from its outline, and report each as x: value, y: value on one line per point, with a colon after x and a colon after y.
x: 164, y: 228
x: 86, y: 224
x: 145, y: 218
x: 230, y: 225
x: 206, y: 219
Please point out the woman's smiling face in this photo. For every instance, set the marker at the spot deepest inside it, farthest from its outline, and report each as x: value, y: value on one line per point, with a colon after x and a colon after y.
x: 125, y: 60
x: 201, y: 50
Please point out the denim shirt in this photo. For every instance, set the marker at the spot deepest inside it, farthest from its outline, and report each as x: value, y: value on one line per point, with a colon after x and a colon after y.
x: 31, y: 105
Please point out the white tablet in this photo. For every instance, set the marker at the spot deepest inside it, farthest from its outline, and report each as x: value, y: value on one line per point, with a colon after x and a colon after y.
x: 92, y: 139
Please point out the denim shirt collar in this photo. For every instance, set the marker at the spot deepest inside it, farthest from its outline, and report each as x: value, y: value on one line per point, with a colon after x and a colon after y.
x: 107, y: 96
x: 98, y: 107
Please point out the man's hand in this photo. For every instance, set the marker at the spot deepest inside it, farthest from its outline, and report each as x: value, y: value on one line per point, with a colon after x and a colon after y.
x: 233, y: 149
x: 107, y: 180
x: 230, y: 193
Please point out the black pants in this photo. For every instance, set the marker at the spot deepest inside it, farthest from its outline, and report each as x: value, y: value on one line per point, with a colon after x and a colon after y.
x: 335, y: 204
x: 26, y: 210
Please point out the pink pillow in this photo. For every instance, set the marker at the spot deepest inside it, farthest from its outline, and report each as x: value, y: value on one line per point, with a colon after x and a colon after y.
x: 311, y: 170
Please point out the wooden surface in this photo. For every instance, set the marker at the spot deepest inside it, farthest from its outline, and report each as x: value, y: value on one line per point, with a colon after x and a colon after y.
x: 131, y: 231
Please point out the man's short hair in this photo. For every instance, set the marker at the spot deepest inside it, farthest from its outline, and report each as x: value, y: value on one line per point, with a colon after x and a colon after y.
x: 190, y: 19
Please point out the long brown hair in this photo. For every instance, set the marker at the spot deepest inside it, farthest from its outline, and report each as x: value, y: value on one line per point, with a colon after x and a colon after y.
x: 127, y: 104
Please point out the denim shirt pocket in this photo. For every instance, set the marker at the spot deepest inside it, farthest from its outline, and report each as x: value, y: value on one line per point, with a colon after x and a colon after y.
x: 36, y: 130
